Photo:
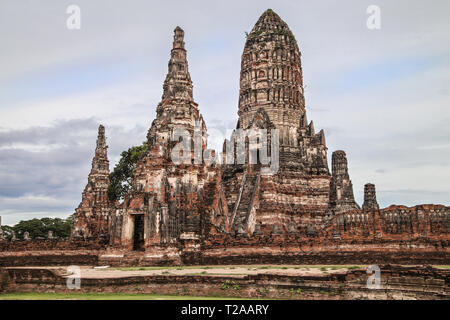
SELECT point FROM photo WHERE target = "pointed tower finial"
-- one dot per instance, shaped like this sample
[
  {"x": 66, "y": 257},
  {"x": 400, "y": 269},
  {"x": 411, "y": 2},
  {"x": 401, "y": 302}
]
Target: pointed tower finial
[
  {"x": 178, "y": 84},
  {"x": 178, "y": 38},
  {"x": 100, "y": 161},
  {"x": 101, "y": 149}
]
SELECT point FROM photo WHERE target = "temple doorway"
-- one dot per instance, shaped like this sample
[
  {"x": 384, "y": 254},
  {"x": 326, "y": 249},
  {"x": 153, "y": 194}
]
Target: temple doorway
[{"x": 138, "y": 237}]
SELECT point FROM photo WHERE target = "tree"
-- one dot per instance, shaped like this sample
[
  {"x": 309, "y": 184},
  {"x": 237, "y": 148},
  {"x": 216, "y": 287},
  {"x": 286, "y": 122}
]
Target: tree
[
  {"x": 122, "y": 175},
  {"x": 7, "y": 232},
  {"x": 40, "y": 227}
]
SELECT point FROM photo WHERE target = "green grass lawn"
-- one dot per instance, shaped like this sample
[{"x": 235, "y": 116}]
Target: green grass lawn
[{"x": 101, "y": 296}]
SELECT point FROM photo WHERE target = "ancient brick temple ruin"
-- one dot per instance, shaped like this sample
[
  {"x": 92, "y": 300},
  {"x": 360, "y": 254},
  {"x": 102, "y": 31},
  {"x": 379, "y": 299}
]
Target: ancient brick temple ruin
[
  {"x": 195, "y": 206},
  {"x": 91, "y": 218}
]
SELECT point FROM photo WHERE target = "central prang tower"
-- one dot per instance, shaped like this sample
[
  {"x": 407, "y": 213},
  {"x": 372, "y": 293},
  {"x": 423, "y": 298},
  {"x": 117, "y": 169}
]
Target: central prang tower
[
  {"x": 271, "y": 75},
  {"x": 271, "y": 88},
  {"x": 271, "y": 96}
]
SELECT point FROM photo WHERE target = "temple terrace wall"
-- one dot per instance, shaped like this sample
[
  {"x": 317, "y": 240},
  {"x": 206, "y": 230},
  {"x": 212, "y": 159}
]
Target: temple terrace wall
[{"x": 395, "y": 283}]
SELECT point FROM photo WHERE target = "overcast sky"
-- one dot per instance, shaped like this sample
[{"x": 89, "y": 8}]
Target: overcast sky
[{"x": 383, "y": 95}]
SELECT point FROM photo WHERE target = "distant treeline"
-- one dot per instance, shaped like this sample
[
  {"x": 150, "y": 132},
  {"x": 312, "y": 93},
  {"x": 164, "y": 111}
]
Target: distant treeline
[{"x": 39, "y": 228}]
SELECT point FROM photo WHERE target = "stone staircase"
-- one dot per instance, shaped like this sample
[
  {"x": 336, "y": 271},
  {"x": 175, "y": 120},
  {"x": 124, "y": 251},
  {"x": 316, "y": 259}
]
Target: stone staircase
[{"x": 245, "y": 200}]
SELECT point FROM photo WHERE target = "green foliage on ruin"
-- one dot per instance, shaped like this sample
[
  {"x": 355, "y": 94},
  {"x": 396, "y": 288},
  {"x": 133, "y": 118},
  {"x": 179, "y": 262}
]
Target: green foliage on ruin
[
  {"x": 40, "y": 227},
  {"x": 122, "y": 175},
  {"x": 230, "y": 284},
  {"x": 287, "y": 33},
  {"x": 254, "y": 34}
]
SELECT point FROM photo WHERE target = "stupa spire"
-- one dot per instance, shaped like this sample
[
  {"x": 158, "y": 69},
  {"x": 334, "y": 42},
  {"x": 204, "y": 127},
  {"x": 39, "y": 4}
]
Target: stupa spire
[
  {"x": 178, "y": 38},
  {"x": 271, "y": 74},
  {"x": 101, "y": 149},
  {"x": 178, "y": 83},
  {"x": 100, "y": 163}
]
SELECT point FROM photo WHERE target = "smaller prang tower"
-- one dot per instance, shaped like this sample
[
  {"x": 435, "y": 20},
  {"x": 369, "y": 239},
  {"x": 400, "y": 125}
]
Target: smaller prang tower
[
  {"x": 91, "y": 218},
  {"x": 341, "y": 187},
  {"x": 370, "y": 198}
]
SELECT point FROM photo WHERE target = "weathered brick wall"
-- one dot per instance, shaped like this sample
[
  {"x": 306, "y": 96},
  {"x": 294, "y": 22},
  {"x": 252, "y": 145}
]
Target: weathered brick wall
[
  {"x": 49, "y": 258},
  {"x": 257, "y": 251},
  {"x": 323, "y": 257},
  {"x": 396, "y": 223},
  {"x": 50, "y": 244}
]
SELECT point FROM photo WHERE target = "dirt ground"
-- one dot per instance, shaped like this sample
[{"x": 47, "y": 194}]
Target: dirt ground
[{"x": 102, "y": 272}]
